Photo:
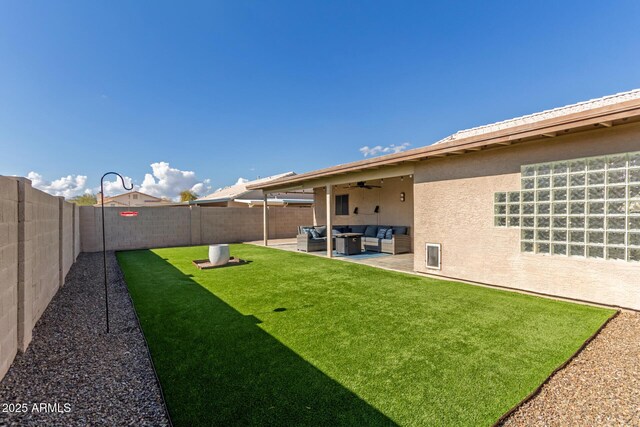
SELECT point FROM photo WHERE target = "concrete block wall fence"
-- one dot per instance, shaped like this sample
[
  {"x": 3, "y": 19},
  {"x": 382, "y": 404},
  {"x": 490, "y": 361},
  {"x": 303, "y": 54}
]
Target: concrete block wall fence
[
  {"x": 41, "y": 236},
  {"x": 165, "y": 226},
  {"x": 39, "y": 242},
  {"x": 8, "y": 272}
]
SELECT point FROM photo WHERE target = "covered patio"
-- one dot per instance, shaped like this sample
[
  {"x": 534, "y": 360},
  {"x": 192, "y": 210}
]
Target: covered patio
[{"x": 360, "y": 200}]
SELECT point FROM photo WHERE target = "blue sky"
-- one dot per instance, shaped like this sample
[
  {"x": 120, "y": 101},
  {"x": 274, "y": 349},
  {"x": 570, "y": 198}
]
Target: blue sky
[{"x": 245, "y": 89}]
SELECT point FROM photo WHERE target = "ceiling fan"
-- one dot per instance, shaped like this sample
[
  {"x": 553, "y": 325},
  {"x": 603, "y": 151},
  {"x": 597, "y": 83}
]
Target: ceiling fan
[{"x": 363, "y": 184}]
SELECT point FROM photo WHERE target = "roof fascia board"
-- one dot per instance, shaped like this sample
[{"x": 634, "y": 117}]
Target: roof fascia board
[
  {"x": 346, "y": 178},
  {"x": 205, "y": 201},
  {"x": 546, "y": 126},
  {"x": 580, "y": 119},
  {"x": 473, "y": 143}
]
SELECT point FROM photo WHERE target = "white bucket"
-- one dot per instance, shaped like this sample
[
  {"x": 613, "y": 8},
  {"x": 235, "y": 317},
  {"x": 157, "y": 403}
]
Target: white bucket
[{"x": 218, "y": 254}]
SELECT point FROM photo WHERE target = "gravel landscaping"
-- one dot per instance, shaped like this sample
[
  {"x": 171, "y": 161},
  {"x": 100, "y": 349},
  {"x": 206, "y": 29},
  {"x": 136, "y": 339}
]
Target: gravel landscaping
[
  {"x": 600, "y": 387},
  {"x": 94, "y": 378}
]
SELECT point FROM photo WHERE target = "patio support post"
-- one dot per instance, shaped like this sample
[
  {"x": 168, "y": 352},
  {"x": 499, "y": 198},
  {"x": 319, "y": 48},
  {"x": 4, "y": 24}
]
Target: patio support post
[
  {"x": 265, "y": 219},
  {"x": 329, "y": 222}
]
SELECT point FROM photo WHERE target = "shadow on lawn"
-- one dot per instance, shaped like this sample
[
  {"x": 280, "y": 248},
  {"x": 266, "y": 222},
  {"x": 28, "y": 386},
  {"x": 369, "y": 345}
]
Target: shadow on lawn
[{"x": 217, "y": 367}]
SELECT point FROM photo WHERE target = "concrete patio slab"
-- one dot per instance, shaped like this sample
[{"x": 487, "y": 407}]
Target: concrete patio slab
[{"x": 400, "y": 262}]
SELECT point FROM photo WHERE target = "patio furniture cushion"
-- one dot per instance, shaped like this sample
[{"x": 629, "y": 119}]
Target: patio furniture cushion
[
  {"x": 382, "y": 231},
  {"x": 358, "y": 229},
  {"x": 306, "y": 230},
  {"x": 389, "y": 241},
  {"x": 322, "y": 230},
  {"x": 315, "y": 234},
  {"x": 339, "y": 230},
  {"x": 399, "y": 230},
  {"x": 389, "y": 234},
  {"x": 371, "y": 231},
  {"x": 373, "y": 240}
]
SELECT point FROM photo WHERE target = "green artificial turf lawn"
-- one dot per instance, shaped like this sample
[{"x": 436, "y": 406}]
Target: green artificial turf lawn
[{"x": 292, "y": 339}]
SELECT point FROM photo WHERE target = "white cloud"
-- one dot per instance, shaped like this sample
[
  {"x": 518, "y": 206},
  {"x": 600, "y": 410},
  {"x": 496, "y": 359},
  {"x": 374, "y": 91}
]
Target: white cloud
[
  {"x": 202, "y": 188},
  {"x": 165, "y": 181},
  {"x": 113, "y": 185},
  {"x": 240, "y": 180},
  {"x": 379, "y": 149},
  {"x": 68, "y": 186}
]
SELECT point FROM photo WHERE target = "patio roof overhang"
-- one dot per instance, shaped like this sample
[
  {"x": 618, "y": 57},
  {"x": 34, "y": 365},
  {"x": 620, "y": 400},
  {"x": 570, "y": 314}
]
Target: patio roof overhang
[
  {"x": 276, "y": 202},
  {"x": 403, "y": 163},
  {"x": 208, "y": 201},
  {"x": 387, "y": 171}
]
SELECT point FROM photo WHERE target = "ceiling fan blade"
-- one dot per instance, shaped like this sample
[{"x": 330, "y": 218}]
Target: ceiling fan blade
[{"x": 363, "y": 184}]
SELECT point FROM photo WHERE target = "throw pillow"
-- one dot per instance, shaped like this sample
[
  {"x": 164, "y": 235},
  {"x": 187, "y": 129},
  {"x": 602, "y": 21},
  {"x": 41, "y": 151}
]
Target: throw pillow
[
  {"x": 370, "y": 231},
  {"x": 315, "y": 233},
  {"x": 389, "y": 234},
  {"x": 382, "y": 231},
  {"x": 322, "y": 230}
]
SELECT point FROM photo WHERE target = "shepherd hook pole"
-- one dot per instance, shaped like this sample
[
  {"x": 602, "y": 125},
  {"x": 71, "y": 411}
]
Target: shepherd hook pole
[{"x": 104, "y": 245}]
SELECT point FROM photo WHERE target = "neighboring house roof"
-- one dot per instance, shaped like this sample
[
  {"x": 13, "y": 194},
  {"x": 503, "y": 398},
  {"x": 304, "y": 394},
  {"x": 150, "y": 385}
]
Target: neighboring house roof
[
  {"x": 109, "y": 198},
  {"x": 238, "y": 190},
  {"x": 115, "y": 202},
  {"x": 144, "y": 200},
  {"x": 607, "y": 111}
]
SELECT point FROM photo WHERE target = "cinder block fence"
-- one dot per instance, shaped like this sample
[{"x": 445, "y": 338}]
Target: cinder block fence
[
  {"x": 156, "y": 227},
  {"x": 39, "y": 242},
  {"x": 41, "y": 236}
]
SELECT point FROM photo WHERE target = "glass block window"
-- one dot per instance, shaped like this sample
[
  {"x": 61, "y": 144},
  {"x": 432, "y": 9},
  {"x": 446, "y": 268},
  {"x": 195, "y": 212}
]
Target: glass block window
[
  {"x": 506, "y": 209},
  {"x": 583, "y": 207}
]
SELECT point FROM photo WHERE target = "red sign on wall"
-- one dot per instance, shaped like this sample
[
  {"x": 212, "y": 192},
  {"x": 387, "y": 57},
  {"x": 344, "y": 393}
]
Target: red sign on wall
[{"x": 129, "y": 213}]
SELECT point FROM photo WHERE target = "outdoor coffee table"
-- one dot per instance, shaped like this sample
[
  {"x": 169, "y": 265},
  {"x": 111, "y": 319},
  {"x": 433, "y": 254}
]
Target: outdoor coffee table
[{"x": 348, "y": 243}]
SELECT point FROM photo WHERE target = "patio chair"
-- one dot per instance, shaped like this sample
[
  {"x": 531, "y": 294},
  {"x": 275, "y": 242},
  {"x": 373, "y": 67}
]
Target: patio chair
[{"x": 306, "y": 241}]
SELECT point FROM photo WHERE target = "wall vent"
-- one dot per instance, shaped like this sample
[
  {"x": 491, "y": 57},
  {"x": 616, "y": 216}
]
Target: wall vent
[{"x": 433, "y": 255}]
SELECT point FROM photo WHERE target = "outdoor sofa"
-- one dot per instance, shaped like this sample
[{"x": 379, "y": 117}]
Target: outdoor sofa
[{"x": 375, "y": 238}]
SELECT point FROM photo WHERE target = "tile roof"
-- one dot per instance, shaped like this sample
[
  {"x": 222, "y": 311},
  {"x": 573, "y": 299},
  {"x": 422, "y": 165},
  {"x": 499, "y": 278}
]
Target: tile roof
[{"x": 543, "y": 115}]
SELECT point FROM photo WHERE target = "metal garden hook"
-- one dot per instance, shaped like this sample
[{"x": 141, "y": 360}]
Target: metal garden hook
[{"x": 104, "y": 245}]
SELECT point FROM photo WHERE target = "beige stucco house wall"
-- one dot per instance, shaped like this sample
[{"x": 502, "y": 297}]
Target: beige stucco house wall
[
  {"x": 454, "y": 207},
  {"x": 392, "y": 211}
]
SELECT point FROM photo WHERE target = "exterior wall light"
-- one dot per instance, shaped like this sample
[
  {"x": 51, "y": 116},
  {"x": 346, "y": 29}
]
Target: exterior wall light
[
  {"x": 355, "y": 211},
  {"x": 377, "y": 209},
  {"x": 402, "y": 196}
]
